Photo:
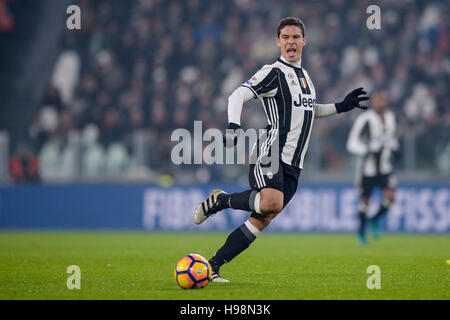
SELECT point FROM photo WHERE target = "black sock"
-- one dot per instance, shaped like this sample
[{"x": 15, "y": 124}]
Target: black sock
[
  {"x": 237, "y": 241},
  {"x": 239, "y": 200},
  {"x": 362, "y": 222},
  {"x": 383, "y": 209}
]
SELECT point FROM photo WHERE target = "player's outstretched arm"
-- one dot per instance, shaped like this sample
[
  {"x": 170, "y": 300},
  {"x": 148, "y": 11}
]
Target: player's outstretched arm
[
  {"x": 235, "y": 102},
  {"x": 324, "y": 110},
  {"x": 351, "y": 101}
]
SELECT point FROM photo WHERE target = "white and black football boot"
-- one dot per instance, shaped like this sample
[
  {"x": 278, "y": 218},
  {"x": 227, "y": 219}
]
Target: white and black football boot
[
  {"x": 215, "y": 277},
  {"x": 210, "y": 206}
]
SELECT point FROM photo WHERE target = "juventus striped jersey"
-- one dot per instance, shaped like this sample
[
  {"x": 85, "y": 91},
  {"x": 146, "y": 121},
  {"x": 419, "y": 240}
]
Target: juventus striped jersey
[
  {"x": 373, "y": 137},
  {"x": 289, "y": 101}
]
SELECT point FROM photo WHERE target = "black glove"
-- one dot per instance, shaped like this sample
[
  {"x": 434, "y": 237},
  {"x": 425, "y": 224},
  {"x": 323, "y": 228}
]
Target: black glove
[
  {"x": 351, "y": 101},
  {"x": 231, "y": 135}
]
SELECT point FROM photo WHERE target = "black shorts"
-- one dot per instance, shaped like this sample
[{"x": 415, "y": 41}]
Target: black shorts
[
  {"x": 382, "y": 181},
  {"x": 285, "y": 180}
]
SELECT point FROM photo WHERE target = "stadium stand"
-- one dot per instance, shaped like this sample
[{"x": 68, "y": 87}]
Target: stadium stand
[{"x": 137, "y": 70}]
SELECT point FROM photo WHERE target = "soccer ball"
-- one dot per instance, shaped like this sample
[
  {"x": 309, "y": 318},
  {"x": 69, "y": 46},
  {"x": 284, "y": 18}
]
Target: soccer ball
[{"x": 192, "y": 272}]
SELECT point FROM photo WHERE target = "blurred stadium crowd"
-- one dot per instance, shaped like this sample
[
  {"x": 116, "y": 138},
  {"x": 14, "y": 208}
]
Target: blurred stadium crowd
[{"x": 137, "y": 70}]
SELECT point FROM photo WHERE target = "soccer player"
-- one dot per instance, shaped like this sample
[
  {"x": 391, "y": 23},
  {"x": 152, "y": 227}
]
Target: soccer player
[
  {"x": 373, "y": 137},
  {"x": 288, "y": 97}
]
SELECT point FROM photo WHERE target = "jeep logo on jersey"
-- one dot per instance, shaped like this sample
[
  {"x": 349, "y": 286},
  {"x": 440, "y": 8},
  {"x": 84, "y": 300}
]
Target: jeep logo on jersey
[{"x": 306, "y": 103}]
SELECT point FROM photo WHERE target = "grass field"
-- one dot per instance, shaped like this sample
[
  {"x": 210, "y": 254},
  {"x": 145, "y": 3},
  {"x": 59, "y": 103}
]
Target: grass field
[{"x": 121, "y": 265}]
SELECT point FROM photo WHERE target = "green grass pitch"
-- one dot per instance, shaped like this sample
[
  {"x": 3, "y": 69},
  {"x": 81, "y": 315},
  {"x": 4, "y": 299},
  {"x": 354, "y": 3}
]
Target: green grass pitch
[{"x": 126, "y": 265}]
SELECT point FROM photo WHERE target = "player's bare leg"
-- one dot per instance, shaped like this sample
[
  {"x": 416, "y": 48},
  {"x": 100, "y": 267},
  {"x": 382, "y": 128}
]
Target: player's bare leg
[{"x": 271, "y": 201}]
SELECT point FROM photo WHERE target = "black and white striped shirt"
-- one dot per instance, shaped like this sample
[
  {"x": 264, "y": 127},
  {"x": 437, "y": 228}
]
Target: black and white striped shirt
[{"x": 289, "y": 101}]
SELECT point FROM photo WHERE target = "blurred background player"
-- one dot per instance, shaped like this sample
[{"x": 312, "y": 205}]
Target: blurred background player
[{"x": 373, "y": 137}]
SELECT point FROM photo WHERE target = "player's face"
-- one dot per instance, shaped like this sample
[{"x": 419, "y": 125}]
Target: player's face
[
  {"x": 380, "y": 101},
  {"x": 291, "y": 43}
]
